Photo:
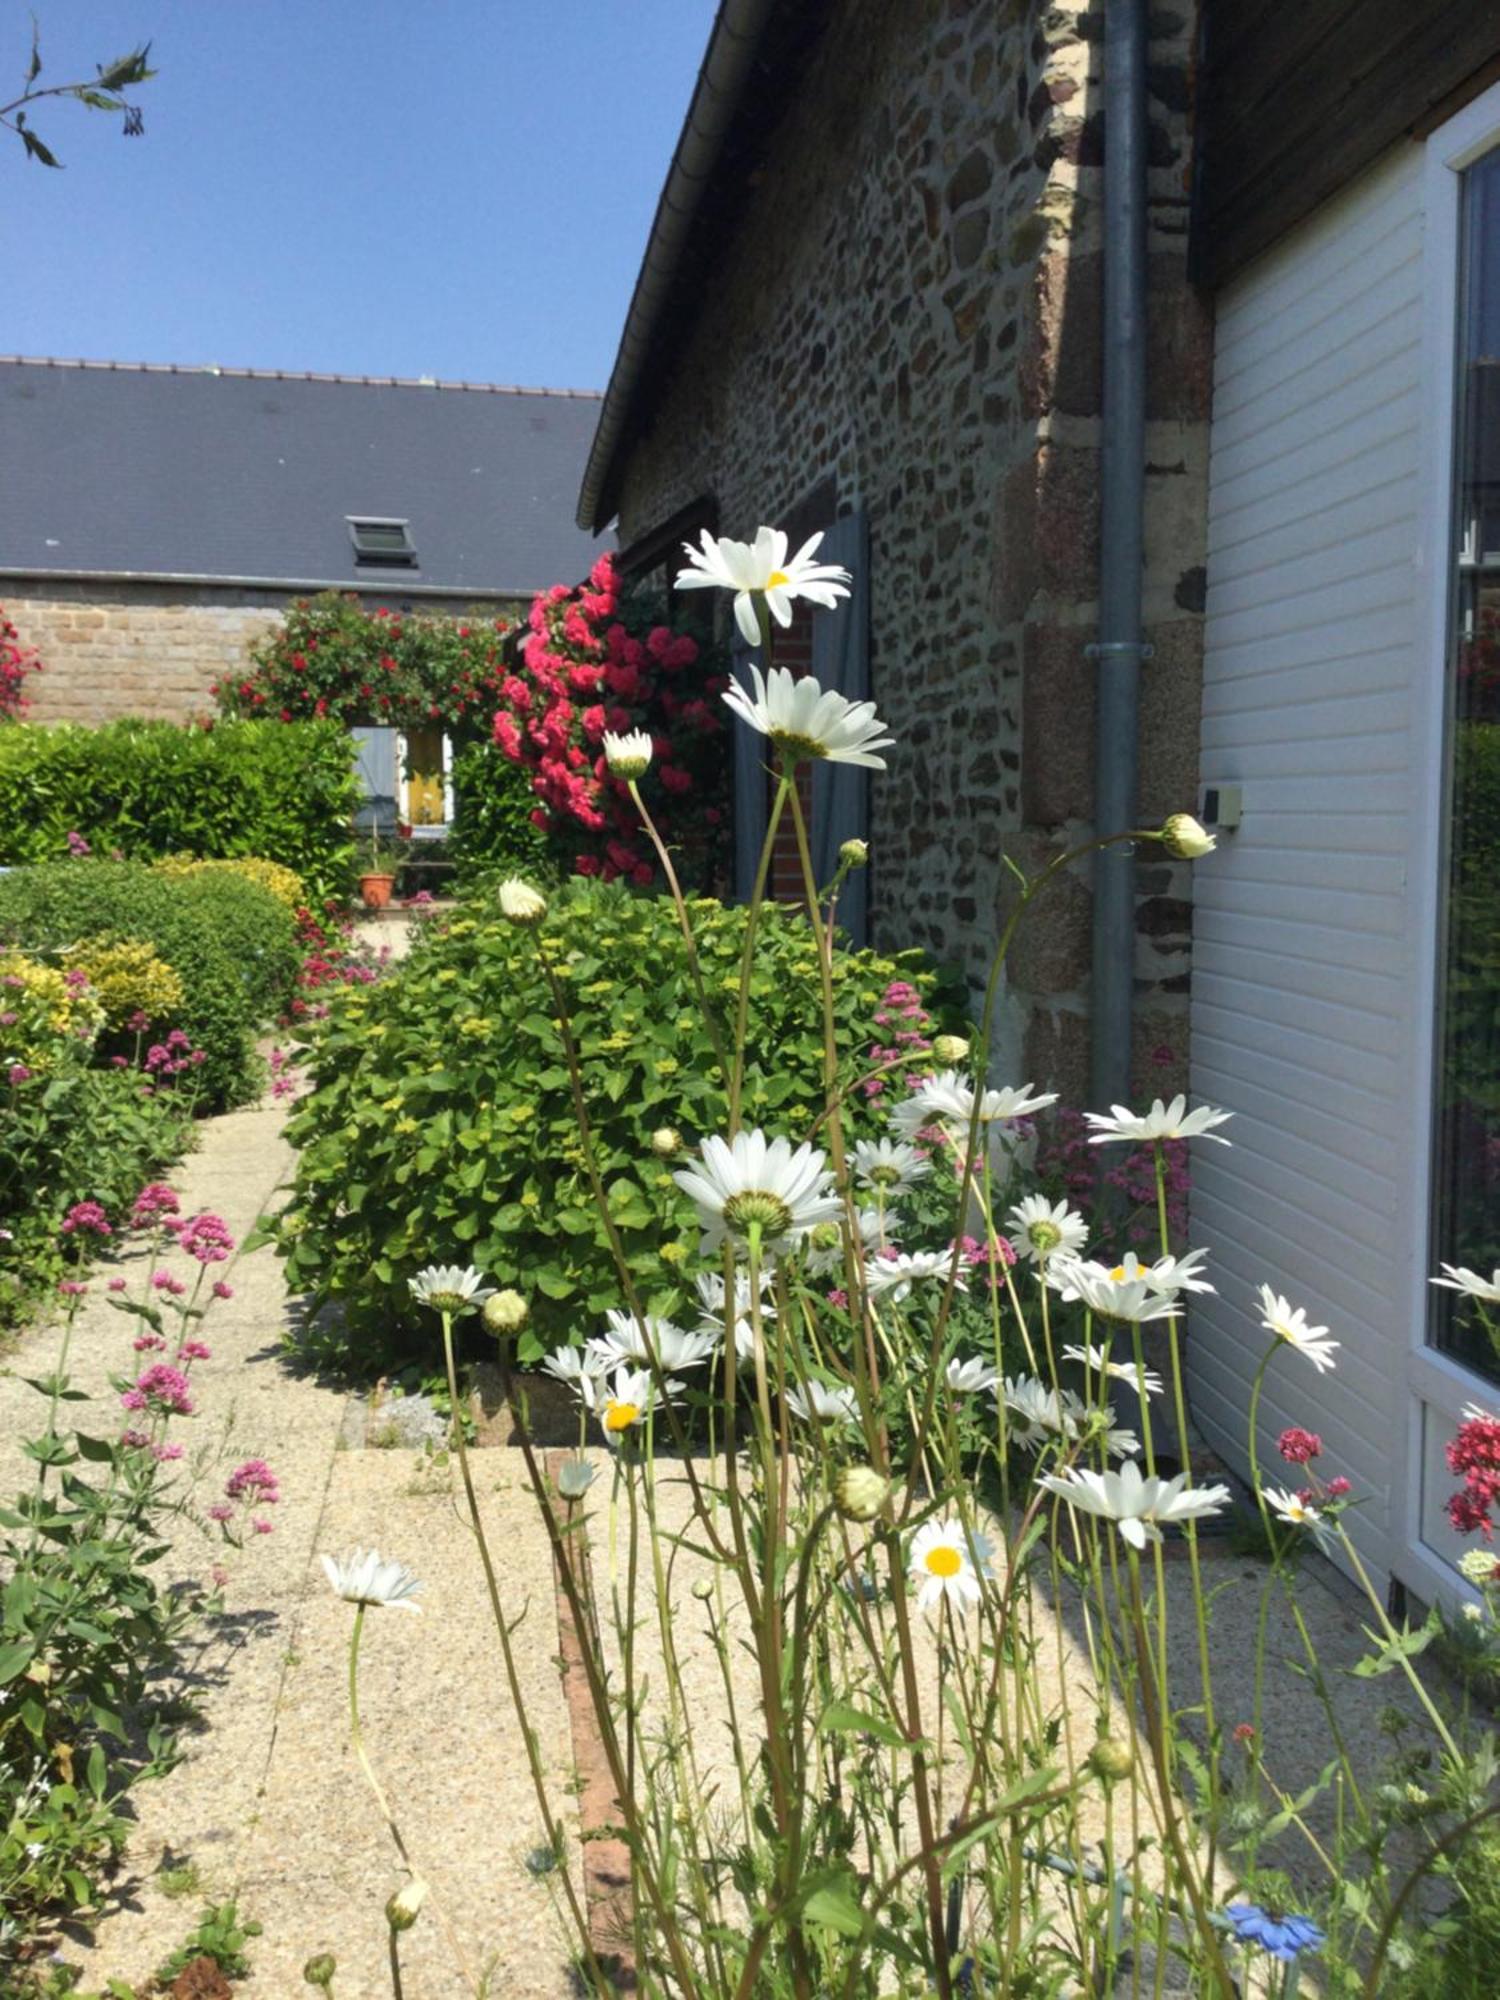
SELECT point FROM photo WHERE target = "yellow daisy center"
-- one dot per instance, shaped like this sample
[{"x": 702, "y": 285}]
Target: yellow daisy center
[
  {"x": 944, "y": 1561},
  {"x": 776, "y": 579},
  {"x": 620, "y": 1416},
  {"x": 1117, "y": 1275}
]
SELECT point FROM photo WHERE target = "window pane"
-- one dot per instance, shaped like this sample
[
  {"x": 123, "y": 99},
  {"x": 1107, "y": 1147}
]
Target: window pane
[{"x": 1467, "y": 1160}]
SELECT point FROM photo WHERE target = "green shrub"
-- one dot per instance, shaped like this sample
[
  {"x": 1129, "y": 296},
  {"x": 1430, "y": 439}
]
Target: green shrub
[
  {"x": 230, "y": 942},
  {"x": 71, "y": 1134},
  {"x": 441, "y": 1127},
  {"x": 492, "y": 807},
  {"x": 285, "y": 793}
]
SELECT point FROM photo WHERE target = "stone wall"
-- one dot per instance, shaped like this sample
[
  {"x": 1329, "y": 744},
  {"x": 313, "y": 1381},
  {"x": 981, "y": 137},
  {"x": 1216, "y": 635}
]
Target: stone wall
[
  {"x": 153, "y": 650},
  {"x": 909, "y": 314}
]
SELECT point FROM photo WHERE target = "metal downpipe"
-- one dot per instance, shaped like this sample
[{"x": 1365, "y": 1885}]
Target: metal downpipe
[{"x": 1118, "y": 652}]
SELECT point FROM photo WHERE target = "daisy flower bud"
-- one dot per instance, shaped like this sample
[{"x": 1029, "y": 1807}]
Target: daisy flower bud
[
  {"x": 402, "y": 1911},
  {"x": 950, "y": 1050},
  {"x": 520, "y": 903},
  {"x": 854, "y": 853},
  {"x": 1111, "y": 1759},
  {"x": 628, "y": 756},
  {"x": 666, "y": 1141},
  {"x": 860, "y": 1492},
  {"x": 319, "y": 1970},
  {"x": 506, "y": 1312},
  {"x": 1183, "y": 836}
]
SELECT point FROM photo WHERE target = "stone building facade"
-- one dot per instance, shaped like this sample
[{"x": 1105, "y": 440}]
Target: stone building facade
[
  {"x": 111, "y": 649},
  {"x": 905, "y": 317}
]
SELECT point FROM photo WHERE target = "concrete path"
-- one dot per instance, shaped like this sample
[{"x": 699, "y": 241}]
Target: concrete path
[{"x": 269, "y": 1804}]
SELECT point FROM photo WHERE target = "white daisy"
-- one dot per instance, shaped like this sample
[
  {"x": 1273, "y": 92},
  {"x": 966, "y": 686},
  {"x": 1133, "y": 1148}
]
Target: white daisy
[
  {"x": 972, "y": 1377},
  {"x": 887, "y": 1164},
  {"x": 1040, "y": 1227},
  {"x": 761, "y": 569},
  {"x": 672, "y": 1347},
  {"x": 1296, "y": 1512},
  {"x": 1039, "y": 1414},
  {"x": 1139, "y": 1507},
  {"x": 821, "y": 1405},
  {"x": 1096, "y": 1360},
  {"x": 1179, "y": 1274},
  {"x": 1162, "y": 1121},
  {"x": 896, "y": 1275},
  {"x": 1129, "y": 1295},
  {"x": 945, "y": 1562},
  {"x": 1278, "y": 1317},
  {"x": 571, "y": 1365},
  {"x": 364, "y": 1577},
  {"x": 628, "y": 756},
  {"x": 805, "y": 719},
  {"x": 622, "y": 1402},
  {"x": 447, "y": 1288},
  {"x": 749, "y": 1182},
  {"x": 947, "y": 1099},
  {"x": 1472, "y": 1283},
  {"x": 825, "y": 1247}
]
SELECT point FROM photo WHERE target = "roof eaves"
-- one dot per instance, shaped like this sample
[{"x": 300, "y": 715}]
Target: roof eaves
[{"x": 723, "y": 78}]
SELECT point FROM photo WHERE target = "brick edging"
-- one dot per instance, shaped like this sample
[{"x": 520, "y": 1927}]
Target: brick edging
[{"x": 606, "y": 1858}]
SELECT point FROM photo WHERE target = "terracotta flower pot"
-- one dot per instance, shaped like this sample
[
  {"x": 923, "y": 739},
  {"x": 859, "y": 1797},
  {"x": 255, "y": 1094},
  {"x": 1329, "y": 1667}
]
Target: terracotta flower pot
[{"x": 376, "y": 890}]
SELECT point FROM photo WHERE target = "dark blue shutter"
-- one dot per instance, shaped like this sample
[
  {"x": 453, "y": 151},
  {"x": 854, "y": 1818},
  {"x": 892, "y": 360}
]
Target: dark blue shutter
[
  {"x": 375, "y": 752},
  {"x": 751, "y": 753},
  {"x": 841, "y": 659}
]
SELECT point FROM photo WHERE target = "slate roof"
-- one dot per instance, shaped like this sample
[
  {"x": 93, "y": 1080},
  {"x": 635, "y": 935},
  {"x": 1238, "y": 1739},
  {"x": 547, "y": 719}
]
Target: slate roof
[{"x": 249, "y": 475}]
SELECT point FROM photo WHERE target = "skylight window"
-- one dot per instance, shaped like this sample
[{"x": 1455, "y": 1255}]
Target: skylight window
[{"x": 382, "y": 544}]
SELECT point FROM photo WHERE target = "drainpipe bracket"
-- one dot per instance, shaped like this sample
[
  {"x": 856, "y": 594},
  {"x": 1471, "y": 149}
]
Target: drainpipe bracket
[{"x": 1120, "y": 649}]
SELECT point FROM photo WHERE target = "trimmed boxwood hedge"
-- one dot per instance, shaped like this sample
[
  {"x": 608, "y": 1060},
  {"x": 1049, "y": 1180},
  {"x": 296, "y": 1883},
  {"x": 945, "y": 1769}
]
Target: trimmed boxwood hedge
[
  {"x": 231, "y": 942},
  {"x": 284, "y": 791}
]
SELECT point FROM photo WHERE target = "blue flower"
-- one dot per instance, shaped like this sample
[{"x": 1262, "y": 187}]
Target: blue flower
[{"x": 1283, "y": 1937}]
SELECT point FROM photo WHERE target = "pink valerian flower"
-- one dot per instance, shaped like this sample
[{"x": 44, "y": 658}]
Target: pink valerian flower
[
  {"x": 194, "y": 1350},
  {"x": 838, "y": 1297},
  {"x": 262, "y": 1527},
  {"x": 163, "y": 1281},
  {"x": 255, "y": 1482},
  {"x": 78, "y": 847},
  {"x": 71, "y": 1289},
  {"x": 1336, "y": 1487},
  {"x": 205, "y": 1237},
  {"x": 220, "y": 1511},
  {"x": 139, "y": 1022},
  {"x": 148, "y": 1343},
  {"x": 86, "y": 1218},
  {"x": 173, "y": 1056},
  {"x": 1474, "y": 1452},
  {"x": 134, "y": 1440},
  {"x": 221, "y": 1290},
  {"x": 154, "y": 1202},
  {"x": 18, "y": 1074},
  {"x": 117, "y": 1284},
  {"x": 1299, "y": 1447},
  {"x": 165, "y": 1453},
  {"x": 162, "y": 1388}
]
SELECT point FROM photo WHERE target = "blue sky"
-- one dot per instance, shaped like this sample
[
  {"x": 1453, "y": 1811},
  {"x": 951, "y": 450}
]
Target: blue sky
[{"x": 459, "y": 188}]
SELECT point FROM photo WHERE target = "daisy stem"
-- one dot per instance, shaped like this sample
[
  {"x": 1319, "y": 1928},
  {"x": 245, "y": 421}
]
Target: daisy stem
[
  {"x": 507, "y": 1651},
  {"x": 1190, "y": 1527},
  {"x": 695, "y": 968},
  {"x": 736, "y": 1077}
]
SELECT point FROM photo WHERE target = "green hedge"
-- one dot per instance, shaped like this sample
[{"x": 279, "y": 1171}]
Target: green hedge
[
  {"x": 284, "y": 791},
  {"x": 492, "y": 807},
  {"x": 230, "y": 942},
  {"x": 441, "y": 1129}
]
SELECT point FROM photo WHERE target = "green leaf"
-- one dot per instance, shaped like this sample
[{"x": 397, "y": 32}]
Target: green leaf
[
  {"x": 834, "y": 1902},
  {"x": 36, "y": 149},
  {"x": 1403, "y": 1645},
  {"x": 15, "y": 1658},
  {"x": 840, "y": 1717}
]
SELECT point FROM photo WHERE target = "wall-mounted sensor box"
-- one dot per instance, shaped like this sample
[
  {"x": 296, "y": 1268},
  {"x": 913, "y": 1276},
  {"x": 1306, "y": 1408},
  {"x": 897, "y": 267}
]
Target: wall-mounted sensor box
[{"x": 1221, "y": 808}]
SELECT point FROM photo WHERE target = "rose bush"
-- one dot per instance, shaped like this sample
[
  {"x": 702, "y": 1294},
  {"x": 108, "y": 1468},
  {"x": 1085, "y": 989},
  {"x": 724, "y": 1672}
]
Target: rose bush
[{"x": 602, "y": 658}]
